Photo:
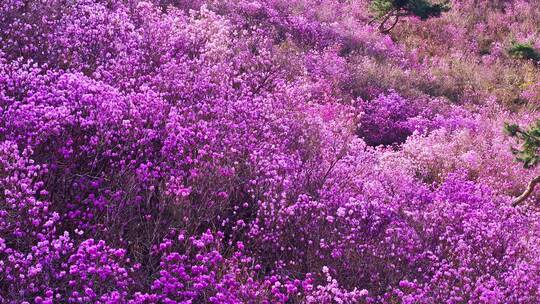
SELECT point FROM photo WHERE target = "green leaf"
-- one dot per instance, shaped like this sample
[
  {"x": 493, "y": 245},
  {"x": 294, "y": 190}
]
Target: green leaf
[{"x": 529, "y": 152}]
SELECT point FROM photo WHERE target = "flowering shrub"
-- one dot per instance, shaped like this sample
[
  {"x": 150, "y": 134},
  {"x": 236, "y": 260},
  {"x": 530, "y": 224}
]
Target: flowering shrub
[
  {"x": 385, "y": 120},
  {"x": 257, "y": 152}
]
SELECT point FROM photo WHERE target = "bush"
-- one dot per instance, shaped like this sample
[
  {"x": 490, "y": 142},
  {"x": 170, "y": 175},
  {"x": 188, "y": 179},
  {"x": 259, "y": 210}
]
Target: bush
[{"x": 524, "y": 51}]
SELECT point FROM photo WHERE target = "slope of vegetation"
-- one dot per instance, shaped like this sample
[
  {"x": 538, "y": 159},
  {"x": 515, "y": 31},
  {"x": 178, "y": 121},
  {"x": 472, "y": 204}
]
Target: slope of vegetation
[{"x": 271, "y": 151}]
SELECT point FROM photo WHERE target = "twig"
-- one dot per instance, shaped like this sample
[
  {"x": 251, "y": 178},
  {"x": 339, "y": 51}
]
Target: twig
[{"x": 530, "y": 187}]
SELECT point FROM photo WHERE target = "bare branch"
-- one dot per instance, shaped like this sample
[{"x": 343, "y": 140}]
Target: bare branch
[
  {"x": 374, "y": 19},
  {"x": 383, "y": 23},
  {"x": 530, "y": 187},
  {"x": 393, "y": 13}
]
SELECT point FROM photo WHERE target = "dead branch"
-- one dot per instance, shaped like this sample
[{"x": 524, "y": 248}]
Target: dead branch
[{"x": 530, "y": 187}]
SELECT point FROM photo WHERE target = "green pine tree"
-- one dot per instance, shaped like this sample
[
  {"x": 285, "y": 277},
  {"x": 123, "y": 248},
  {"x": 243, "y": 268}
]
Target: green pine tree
[
  {"x": 528, "y": 153},
  {"x": 386, "y": 10}
]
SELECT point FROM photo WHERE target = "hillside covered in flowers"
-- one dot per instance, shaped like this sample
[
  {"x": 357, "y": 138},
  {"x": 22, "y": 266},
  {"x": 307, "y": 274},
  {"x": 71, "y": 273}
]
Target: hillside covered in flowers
[{"x": 269, "y": 151}]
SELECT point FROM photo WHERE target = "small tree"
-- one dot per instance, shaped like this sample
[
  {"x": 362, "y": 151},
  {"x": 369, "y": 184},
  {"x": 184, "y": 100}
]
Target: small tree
[
  {"x": 524, "y": 51},
  {"x": 528, "y": 153},
  {"x": 389, "y": 11}
]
